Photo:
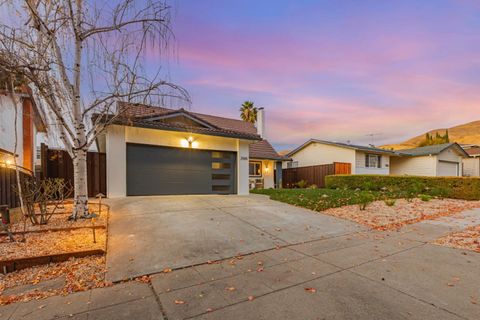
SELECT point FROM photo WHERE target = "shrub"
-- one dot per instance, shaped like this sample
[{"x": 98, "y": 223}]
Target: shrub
[
  {"x": 425, "y": 197},
  {"x": 364, "y": 199},
  {"x": 313, "y": 186},
  {"x": 390, "y": 202},
  {"x": 302, "y": 184},
  {"x": 467, "y": 188}
]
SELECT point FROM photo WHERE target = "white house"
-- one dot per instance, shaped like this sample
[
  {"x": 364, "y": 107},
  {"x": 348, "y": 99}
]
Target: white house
[
  {"x": 471, "y": 165},
  {"x": 154, "y": 151},
  {"x": 28, "y": 124},
  {"x": 363, "y": 159},
  {"x": 435, "y": 160}
]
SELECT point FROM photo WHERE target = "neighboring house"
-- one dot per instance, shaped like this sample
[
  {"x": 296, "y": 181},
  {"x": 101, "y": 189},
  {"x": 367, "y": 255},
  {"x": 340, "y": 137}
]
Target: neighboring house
[
  {"x": 29, "y": 123},
  {"x": 363, "y": 159},
  {"x": 471, "y": 165},
  {"x": 435, "y": 160},
  {"x": 154, "y": 151}
]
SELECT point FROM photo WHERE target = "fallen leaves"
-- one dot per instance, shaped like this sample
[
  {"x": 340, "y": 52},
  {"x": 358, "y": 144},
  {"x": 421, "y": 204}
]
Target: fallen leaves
[
  {"x": 311, "y": 290},
  {"x": 48, "y": 243},
  {"x": 167, "y": 270},
  {"x": 179, "y": 302},
  {"x": 379, "y": 216},
  {"x": 467, "y": 239},
  {"x": 144, "y": 279},
  {"x": 251, "y": 298},
  {"x": 79, "y": 275},
  {"x": 230, "y": 289}
]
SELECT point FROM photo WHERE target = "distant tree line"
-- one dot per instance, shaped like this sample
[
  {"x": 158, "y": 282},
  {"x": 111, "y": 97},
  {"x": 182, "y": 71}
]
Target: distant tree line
[{"x": 431, "y": 139}]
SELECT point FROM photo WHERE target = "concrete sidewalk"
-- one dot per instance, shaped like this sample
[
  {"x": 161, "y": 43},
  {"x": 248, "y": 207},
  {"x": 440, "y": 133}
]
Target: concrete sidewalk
[{"x": 356, "y": 276}]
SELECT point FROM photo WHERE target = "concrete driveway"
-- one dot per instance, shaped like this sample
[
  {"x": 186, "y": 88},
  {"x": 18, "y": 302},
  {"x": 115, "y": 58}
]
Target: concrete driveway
[{"x": 149, "y": 234}]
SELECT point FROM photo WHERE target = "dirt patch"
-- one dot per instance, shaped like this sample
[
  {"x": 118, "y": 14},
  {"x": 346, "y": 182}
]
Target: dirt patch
[
  {"x": 378, "y": 215},
  {"x": 53, "y": 279},
  {"x": 468, "y": 239}
]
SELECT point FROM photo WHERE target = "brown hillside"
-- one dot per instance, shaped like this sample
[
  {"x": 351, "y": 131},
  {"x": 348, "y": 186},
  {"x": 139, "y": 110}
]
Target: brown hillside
[{"x": 464, "y": 133}]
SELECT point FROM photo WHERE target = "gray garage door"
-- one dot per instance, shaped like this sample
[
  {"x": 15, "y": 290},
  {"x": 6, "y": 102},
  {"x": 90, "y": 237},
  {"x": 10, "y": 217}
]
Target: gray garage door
[
  {"x": 448, "y": 169},
  {"x": 153, "y": 170}
]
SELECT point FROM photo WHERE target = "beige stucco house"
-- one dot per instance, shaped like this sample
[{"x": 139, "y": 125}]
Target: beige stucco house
[
  {"x": 363, "y": 159},
  {"x": 436, "y": 160},
  {"x": 159, "y": 151}
]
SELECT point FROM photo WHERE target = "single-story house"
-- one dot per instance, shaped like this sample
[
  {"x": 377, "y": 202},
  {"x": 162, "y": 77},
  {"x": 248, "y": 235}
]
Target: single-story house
[
  {"x": 265, "y": 166},
  {"x": 156, "y": 151},
  {"x": 471, "y": 165},
  {"x": 28, "y": 123},
  {"x": 435, "y": 160},
  {"x": 363, "y": 159}
]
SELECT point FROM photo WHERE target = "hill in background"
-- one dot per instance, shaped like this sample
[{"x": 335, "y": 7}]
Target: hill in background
[{"x": 468, "y": 133}]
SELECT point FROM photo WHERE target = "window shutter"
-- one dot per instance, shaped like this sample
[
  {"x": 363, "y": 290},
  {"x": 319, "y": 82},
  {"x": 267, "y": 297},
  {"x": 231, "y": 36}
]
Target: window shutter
[
  {"x": 366, "y": 160},
  {"x": 379, "y": 161}
]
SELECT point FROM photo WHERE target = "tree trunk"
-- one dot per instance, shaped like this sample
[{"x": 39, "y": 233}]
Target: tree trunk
[{"x": 80, "y": 184}]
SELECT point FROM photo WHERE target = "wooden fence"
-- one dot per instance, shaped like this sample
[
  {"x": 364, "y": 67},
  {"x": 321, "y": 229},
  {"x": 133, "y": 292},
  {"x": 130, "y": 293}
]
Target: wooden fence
[
  {"x": 8, "y": 180},
  {"x": 313, "y": 174},
  {"x": 59, "y": 164}
]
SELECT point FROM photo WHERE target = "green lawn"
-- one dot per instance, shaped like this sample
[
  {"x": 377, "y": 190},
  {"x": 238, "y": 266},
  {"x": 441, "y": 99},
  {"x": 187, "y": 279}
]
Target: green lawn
[{"x": 321, "y": 199}]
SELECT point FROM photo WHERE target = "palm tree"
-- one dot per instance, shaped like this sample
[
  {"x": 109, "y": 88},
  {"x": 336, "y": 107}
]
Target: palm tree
[{"x": 248, "y": 112}]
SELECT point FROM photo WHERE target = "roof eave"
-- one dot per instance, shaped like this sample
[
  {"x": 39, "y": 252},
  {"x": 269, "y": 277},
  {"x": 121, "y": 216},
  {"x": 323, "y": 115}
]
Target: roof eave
[{"x": 192, "y": 130}]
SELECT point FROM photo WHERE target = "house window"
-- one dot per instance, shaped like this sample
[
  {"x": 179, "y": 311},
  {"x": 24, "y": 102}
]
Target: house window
[
  {"x": 255, "y": 169},
  {"x": 292, "y": 164},
  {"x": 373, "y": 161}
]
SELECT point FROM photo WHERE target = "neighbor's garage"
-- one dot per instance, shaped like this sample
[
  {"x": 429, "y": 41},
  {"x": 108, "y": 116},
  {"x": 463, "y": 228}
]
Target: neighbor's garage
[
  {"x": 155, "y": 170},
  {"x": 448, "y": 168}
]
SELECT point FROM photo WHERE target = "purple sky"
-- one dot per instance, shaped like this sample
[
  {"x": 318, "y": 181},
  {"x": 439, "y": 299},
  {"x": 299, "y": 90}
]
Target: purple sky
[{"x": 335, "y": 70}]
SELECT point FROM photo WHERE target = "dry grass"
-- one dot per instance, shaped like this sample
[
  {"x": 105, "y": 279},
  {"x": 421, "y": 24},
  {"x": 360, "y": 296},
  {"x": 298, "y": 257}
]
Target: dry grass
[{"x": 464, "y": 133}]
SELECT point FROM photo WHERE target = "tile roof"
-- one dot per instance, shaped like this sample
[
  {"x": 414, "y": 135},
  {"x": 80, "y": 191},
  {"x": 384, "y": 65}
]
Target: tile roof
[
  {"x": 342, "y": 145},
  {"x": 264, "y": 150},
  {"x": 430, "y": 150},
  {"x": 140, "y": 115},
  {"x": 475, "y": 151}
]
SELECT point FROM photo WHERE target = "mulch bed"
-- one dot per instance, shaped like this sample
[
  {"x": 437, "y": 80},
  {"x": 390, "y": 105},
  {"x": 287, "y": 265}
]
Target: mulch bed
[
  {"x": 468, "y": 239},
  {"x": 380, "y": 216},
  {"x": 70, "y": 276},
  {"x": 60, "y": 220},
  {"x": 56, "y": 241}
]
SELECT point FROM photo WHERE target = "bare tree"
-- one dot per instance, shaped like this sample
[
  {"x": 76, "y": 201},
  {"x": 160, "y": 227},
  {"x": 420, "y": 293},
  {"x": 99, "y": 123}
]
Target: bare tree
[{"x": 81, "y": 58}]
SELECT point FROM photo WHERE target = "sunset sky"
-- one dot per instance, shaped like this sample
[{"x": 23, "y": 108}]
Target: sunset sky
[{"x": 335, "y": 70}]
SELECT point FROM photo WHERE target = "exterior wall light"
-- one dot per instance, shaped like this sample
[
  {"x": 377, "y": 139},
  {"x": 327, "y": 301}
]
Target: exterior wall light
[
  {"x": 189, "y": 142},
  {"x": 266, "y": 167}
]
